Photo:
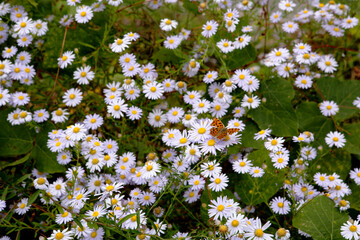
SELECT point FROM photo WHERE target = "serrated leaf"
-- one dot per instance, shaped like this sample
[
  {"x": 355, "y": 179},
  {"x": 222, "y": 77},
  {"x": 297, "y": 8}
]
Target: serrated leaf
[
  {"x": 277, "y": 112},
  {"x": 342, "y": 92},
  {"x": 352, "y": 134},
  {"x": 310, "y": 119},
  {"x": 320, "y": 219}
]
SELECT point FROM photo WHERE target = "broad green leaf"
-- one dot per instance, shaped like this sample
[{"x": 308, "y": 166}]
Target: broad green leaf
[
  {"x": 168, "y": 56},
  {"x": 310, "y": 119},
  {"x": 247, "y": 139},
  {"x": 337, "y": 160},
  {"x": 277, "y": 112},
  {"x": 352, "y": 134},
  {"x": 14, "y": 140},
  {"x": 254, "y": 191},
  {"x": 240, "y": 57},
  {"x": 45, "y": 159},
  {"x": 342, "y": 92},
  {"x": 14, "y": 163},
  {"x": 190, "y": 6},
  {"x": 320, "y": 219},
  {"x": 353, "y": 198}
]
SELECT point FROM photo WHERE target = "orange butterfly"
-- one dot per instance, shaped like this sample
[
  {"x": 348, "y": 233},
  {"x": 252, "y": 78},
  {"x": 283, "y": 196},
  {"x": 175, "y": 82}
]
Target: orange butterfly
[{"x": 219, "y": 130}]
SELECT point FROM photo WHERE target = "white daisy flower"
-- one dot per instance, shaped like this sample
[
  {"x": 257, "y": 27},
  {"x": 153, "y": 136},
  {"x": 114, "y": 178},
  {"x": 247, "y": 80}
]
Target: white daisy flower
[
  {"x": 72, "y": 97},
  {"x": 167, "y": 24},
  {"x": 209, "y": 29},
  {"x": 83, "y": 14},
  {"x": 336, "y": 139},
  {"x": 66, "y": 59}
]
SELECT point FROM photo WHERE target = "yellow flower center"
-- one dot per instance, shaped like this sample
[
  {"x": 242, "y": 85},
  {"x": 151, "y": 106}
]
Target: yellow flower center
[
  {"x": 220, "y": 208},
  {"x": 259, "y": 232},
  {"x": 211, "y": 142},
  {"x": 59, "y": 236}
]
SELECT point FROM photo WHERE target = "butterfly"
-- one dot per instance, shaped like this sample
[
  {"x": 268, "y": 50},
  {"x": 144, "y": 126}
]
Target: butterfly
[{"x": 219, "y": 130}]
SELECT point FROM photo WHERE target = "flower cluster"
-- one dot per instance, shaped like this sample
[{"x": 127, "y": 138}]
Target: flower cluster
[{"x": 175, "y": 105}]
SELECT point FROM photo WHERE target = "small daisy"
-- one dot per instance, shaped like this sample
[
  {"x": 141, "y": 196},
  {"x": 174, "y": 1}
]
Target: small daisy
[
  {"x": 66, "y": 59},
  {"x": 117, "y": 108},
  {"x": 280, "y": 205},
  {"x": 153, "y": 90},
  {"x": 172, "y": 42},
  {"x": 256, "y": 172},
  {"x": 336, "y": 139},
  {"x": 60, "y": 115},
  {"x": 350, "y": 230},
  {"x": 83, "y": 75},
  {"x": 209, "y": 29},
  {"x": 93, "y": 121},
  {"x": 65, "y": 234},
  {"x": 329, "y": 108},
  {"x": 83, "y": 14},
  {"x": 250, "y": 102},
  {"x": 218, "y": 182},
  {"x": 120, "y": 45},
  {"x": 167, "y": 24},
  {"x": 327, "y": 64},
  {"x": 72, "y": 97}
]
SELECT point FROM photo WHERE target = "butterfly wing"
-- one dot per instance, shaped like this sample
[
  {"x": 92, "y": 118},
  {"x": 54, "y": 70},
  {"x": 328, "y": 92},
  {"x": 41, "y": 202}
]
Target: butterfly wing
[
  {"x": 214, "y": 131},
  {"x": 217, "y": 123},
  {"x": 232, "y": 130},
  {"x": 222, "y": 133}
]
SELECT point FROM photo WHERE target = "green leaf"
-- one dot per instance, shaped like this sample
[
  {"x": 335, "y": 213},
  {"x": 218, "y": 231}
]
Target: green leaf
[
  {"x": 310, "y": 119},
  {"x": 248, "y": 136},
  {"x": 14, "y": 140},
  {"x": 14, "y": 163},
  {"x": 190, "y": 6},
  {"x": 240, "y": 57},
  {"x": 320, "y": 219},
  {"x": 3, "y": 196},
  {"x": 168, "y": 56},
  {"x": 45, "y": 159},
  {"x": 33, "y": 2},
  {"x": 277, "y": 112},
  {"x": 353, "y": 198},
  {"x": 33, "y": 197},
  {"x": 342, "y": 92},
  {"x": 337, "y": 160},
  {"x": 253, "y": 191},
  {"x": 352, "y": 134},
  {"x": 234, "y": 149},
  {"x": 20, "y": 180},
  {"x": 77, "y": 221},
  {"x": 122, "y": 220}
]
